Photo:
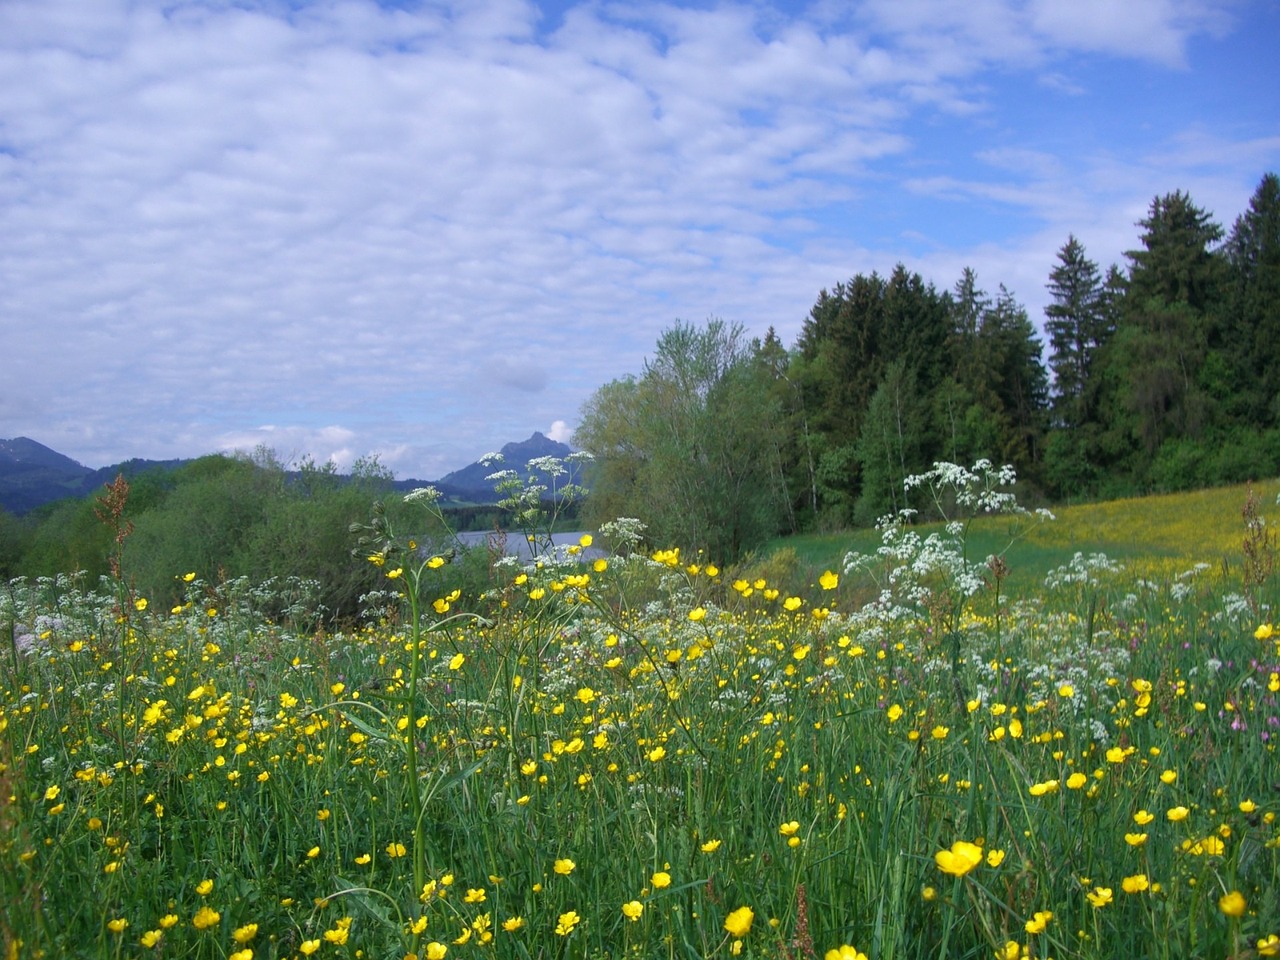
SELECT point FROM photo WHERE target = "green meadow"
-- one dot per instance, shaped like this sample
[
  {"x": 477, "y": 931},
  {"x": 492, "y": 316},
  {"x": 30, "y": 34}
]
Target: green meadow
[
  {"x": 880, "y": 745},
  {"x": 1166, "y": 533}
]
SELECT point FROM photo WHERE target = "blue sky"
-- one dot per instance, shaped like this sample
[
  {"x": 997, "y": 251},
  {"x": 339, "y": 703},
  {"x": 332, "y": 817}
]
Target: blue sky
[{"x": 421, "y": 230}]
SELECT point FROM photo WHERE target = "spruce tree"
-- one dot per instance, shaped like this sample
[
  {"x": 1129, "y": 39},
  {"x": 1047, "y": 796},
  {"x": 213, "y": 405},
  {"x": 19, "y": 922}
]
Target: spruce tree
[
  {"x": 1076, "y": 330},
  {"x": 1253, "y": 329}
]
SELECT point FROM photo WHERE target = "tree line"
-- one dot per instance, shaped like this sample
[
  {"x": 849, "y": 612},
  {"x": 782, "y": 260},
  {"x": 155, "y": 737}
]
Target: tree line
[
  {"x": 1159, "y": 374},
  {"x": 219, "y": 517},
  {"x": 248, "y": 516}
]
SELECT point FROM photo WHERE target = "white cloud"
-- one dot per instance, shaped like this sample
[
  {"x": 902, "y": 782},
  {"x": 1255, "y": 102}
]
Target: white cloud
[
  {"x": 291, "y": 445},
  {"x": 1158, "y": 30},
  {"x": 436, "y": 227},
  {"x": 560, "y": 431}
]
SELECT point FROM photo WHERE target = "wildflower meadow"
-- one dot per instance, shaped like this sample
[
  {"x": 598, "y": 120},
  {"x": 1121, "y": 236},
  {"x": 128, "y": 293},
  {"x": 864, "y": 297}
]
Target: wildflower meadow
[{"x": 620, "y": 751}]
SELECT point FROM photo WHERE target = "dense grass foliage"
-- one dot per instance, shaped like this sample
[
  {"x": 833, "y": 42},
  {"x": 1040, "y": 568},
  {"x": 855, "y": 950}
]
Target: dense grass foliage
[{"x": 633, "y": 754}]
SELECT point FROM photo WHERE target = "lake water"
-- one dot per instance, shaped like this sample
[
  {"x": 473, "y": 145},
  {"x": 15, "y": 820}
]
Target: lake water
[{"x": 517, "y": 546}]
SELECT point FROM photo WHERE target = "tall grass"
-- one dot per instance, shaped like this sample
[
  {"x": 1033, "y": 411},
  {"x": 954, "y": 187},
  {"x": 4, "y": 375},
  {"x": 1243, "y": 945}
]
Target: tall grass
[{"x": 643, "y": 756}]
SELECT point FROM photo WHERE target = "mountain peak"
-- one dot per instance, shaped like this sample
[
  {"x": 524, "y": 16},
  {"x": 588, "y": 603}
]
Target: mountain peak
[
  {"x": 23, "y": 453},
  {"x": 473, "y": 480},
  {"x": 521, "y": 452}
]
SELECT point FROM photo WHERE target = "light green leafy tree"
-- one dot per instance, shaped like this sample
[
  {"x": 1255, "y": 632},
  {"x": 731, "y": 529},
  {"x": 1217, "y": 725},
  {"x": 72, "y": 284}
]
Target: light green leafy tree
[{"x": 693, "y": 446}]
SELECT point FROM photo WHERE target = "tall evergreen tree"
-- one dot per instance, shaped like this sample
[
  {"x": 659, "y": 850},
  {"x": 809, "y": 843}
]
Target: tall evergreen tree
[
  {"x": 1177, "y": 263},
  {"x": 967, "y": 306},
  {"x": 851, "y": 338},
  {"x": 1166, "y": 329},
  {"x": 1018, "y": 380},
  {"x": 1253, "y": 329},
  {"x": 1076, "y": 330},
  {"x": 992, "y": 403},
  {"x": 916, "y": 327}
]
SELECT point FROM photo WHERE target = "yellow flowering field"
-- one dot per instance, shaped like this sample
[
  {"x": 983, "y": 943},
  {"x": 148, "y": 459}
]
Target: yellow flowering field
[{"x": 622, "y": 753}]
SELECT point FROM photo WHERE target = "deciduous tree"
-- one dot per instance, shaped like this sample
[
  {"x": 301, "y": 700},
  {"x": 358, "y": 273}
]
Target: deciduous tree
[{"x": 691, "y": 446}]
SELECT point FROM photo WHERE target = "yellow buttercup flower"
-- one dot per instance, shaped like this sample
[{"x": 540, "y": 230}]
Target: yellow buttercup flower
[
  {"x": 632, "y": 910},
  {"x": 1135, "y": 884},
  {"x": 738, "y": 922},
  {"x": 1099, "y": 897},
  {"x": 1039, "y": 921},
  {"x": 960, "y": 859},
  {"x": 205, "y": 918},
  {"x": 564, "y": 867},
  {"x": 566, "y": 922},
  {"x": 660, "y": 880},
  {"x": 1232, "y": 904}
]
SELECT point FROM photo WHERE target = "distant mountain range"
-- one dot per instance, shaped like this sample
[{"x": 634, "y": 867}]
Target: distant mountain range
[
  {"x": 471, "y": 483},
  {"x": 32, "y": 475}
]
